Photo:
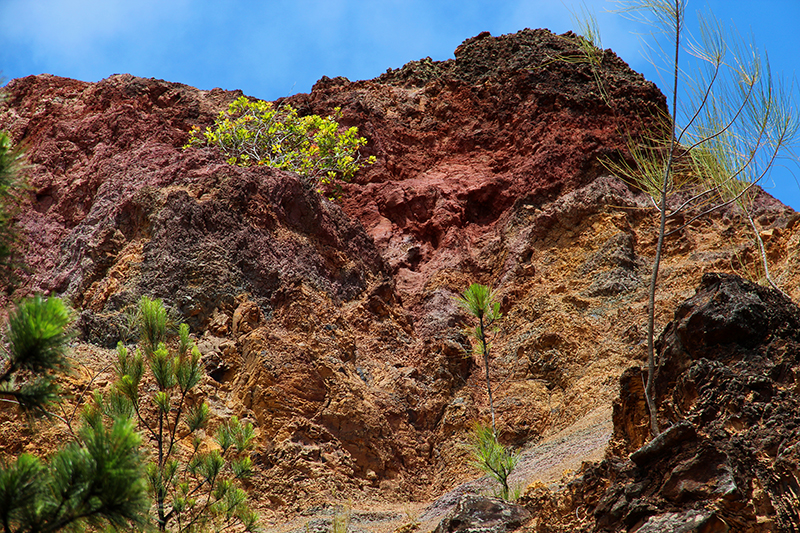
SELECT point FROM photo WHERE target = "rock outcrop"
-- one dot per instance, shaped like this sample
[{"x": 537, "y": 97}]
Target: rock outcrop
[
  {"x": 727, "y": 395},
  {"x": 480, "y": 513},
  {"x": 332, "y": 325},
  {"x": 462, "y": 144}
]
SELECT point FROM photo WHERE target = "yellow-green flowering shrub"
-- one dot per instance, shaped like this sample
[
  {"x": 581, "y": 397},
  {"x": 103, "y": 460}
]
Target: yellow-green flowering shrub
[{"x": 258, "y": 133}]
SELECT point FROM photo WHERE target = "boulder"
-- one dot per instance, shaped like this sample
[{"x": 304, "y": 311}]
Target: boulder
[
  {"x": 482, "y": 514},
  {"x": 726, "y": 392}
]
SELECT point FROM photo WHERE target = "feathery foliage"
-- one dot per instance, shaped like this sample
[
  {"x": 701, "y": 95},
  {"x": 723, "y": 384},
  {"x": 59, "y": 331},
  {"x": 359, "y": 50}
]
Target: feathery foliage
[
  {"x": 720, "y": 141},
  {"x": 196, "y": 488},
  {"x": 37, "y": 337},
  {"x": 96, "y": 480},
  {"x": 258, "y": 133},
  {"x": 493, "y": 458}
]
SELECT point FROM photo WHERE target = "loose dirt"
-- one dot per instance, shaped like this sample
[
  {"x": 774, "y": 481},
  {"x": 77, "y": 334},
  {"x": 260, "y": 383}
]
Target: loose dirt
[{"x": 553, "y": 462}]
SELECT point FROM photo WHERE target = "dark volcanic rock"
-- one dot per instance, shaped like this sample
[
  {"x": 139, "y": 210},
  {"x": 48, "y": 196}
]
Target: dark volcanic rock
[
  {"x": 728, "y": 397},
  {"x": 664, "y": 443},
  {"x": 691, "y": 521}
]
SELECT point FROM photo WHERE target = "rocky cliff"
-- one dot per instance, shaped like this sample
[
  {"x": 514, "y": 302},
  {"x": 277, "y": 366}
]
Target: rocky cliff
[{"x": 332, "y": 325}]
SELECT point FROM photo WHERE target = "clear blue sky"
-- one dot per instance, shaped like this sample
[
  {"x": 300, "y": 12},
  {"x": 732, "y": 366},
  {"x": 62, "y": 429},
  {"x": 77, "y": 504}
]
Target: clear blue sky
[{"x": 274, "y": 48}]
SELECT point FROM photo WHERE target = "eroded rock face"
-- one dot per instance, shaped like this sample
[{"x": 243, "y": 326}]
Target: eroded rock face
[
  {"x": 135, "y": 214},
  {"x": 332, "y": 326},
  {"x": 335, "y": 327},
  {"x": 460, "y": 143},
  {"x": 727, "y": 397}
]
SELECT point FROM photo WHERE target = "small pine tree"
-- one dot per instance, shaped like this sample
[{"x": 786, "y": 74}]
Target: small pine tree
[
  {"x": 191, "y": 489},
  {"x": 96, "y": 480},
  {"x": 489, "y": 455},
  {"x": 479, "y": 301}
]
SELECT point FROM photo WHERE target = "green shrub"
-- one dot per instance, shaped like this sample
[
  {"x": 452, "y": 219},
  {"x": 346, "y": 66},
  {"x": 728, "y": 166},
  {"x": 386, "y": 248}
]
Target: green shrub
[
  {"x": 258, "y": 133},
  {"x": 493, "y": 458}
]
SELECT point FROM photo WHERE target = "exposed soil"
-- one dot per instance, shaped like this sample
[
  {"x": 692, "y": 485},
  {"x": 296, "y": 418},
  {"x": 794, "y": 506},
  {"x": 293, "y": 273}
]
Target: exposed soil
[{"x": 552, "y": 462}]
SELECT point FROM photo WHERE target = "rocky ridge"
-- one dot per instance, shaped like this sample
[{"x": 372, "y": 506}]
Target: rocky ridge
[
  {"x": 727, "y": 458},
  {"x": 332, "y": 326}
]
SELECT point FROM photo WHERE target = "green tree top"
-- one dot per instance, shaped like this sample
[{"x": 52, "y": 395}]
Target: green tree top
[
  {"x": 97, "y": 480},
  {"x": 37, "y": 336}
]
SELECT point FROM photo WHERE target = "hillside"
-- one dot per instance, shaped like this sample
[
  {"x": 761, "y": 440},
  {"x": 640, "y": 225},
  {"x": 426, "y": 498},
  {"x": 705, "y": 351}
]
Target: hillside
[{"x": 332, "y": 326}]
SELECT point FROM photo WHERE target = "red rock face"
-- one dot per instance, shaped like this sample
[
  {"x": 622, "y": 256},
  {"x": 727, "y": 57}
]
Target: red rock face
[
  {"x": 332, "y": 325},
  {"x": 92, "y": 147},
  {"x": 516, "y": 119},
  {"x": 121, "y": 210}
]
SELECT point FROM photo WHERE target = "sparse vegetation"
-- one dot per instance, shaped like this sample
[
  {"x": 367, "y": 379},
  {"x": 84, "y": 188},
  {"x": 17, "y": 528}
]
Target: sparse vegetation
[
  {"x": 591, "y": 49},
  {"x": 411, "y": 523},
  {"x": 489, "y": 455},
  {"x": 340, "y": 523},
  {"x": 258, "y": 133},
  {"x": 718, "y": 142},
  {"x": 195, "y": 488}
]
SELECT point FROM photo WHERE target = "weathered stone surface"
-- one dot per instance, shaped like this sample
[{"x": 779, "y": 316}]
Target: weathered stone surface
[
  {"x": 630, "y": 415},
  {"x": 332, "y": 326},
  {"x": 481, "y": 514},
  {"x": 724, "y": 383},
  {"x": 664, "y": 443},
  {"x": 692, "y": 521},
  {"x": 135, "y": 214},
  {"x": 463, "y": 144}
]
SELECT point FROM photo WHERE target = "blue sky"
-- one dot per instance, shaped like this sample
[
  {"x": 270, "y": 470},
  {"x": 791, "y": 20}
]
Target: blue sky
[{"x": 274, "y": 48}]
